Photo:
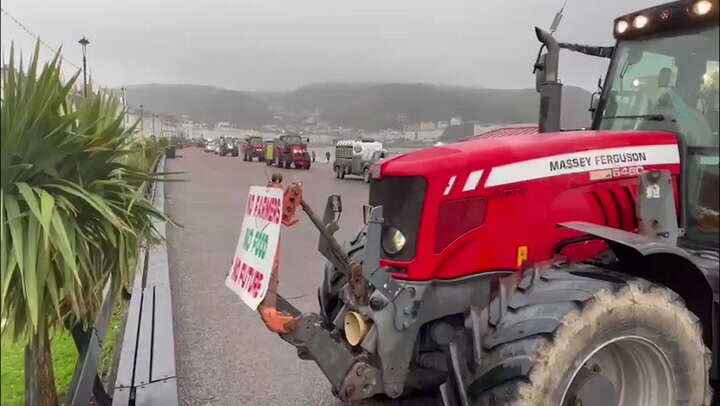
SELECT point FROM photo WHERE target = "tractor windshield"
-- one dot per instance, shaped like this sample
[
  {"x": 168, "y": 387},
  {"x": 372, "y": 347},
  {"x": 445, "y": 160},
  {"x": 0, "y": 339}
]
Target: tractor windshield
[
  {"x": 293, "y": 140},
  {"x": 670, "y": 82}
]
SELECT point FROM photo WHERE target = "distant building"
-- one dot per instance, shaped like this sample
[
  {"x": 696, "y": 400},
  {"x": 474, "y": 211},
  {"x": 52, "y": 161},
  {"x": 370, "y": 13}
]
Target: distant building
[{"x": 427, "y": 126}]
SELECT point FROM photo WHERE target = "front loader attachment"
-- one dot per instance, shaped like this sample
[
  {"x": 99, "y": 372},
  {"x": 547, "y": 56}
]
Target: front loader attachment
[{"x": 351, "y": 377}]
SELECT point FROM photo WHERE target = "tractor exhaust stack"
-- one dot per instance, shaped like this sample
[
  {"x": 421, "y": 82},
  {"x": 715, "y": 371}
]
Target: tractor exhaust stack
[{"x": 547, "y": 82}]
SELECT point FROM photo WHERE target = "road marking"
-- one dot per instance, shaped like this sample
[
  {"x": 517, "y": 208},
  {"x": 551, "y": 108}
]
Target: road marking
[{"x": 472, "y": 180}]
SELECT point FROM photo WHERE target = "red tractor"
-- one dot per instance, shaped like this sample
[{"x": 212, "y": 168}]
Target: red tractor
[
  {"x": 254, "y": 147},
  {"x": 291, "y": 149},
  {"x": 536, "y": 269}
]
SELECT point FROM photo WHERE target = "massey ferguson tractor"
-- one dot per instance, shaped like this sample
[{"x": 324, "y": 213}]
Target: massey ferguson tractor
[
  {"x": 560, "y": 268},
  {"x": 291, "y": 149},
  {"x": 254, "y": 147}
]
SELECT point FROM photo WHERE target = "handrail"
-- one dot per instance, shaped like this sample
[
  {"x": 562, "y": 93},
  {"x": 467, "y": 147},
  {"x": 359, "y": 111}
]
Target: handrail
[{"x": 89, "y": 345}]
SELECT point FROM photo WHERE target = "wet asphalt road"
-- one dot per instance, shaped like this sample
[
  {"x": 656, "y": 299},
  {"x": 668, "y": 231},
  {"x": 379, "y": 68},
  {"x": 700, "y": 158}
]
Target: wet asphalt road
[{"x": 224, "y": 354}]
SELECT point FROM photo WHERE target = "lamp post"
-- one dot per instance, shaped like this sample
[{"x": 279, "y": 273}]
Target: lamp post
[
  {"x": 142, "y": 121},
  {"x": 124, "y": 103},
  {"x": 84, "y": 42}
]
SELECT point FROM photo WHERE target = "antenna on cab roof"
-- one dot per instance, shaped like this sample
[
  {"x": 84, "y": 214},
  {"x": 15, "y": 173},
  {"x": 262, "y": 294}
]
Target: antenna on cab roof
[{"x": 558, "y": 18}]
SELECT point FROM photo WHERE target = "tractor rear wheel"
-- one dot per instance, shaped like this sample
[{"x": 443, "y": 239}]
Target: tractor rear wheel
[{"x": 586, "y": 336}]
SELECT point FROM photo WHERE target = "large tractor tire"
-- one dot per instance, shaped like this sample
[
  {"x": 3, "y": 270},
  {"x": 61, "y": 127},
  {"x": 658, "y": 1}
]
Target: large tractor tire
[{"x": 586, "y": 336}]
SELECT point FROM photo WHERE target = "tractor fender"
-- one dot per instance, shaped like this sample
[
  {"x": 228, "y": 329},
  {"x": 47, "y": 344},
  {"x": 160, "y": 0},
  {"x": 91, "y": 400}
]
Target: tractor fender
[
  {"x": 683, "y": 271},
  {"x": 705, "y": 263}
]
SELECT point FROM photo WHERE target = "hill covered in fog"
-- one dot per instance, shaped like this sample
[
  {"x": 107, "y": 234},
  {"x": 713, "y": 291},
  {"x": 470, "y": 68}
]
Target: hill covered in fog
[
  {"x": 357, "y": 105},
  {"x": 377, "y": 106},
  {"x": 203, "y": 103}
]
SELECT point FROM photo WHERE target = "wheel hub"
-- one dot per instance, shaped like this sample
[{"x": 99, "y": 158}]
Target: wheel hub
[{"x": 591, "y": 388}]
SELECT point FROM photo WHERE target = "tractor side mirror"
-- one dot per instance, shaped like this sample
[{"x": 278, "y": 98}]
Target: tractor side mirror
[
  {"x": 333, "y": 208},
  {"x": 366, "y": 213},
  {"x": 336, "y": 203}
]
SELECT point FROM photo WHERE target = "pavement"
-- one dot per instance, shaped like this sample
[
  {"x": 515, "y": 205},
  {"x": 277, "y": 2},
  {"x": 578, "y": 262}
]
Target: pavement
[{"x": 224, "y": 354}]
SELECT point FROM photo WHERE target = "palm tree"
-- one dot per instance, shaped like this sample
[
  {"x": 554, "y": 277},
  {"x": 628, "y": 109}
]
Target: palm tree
[{"x": 72, "y": 208}]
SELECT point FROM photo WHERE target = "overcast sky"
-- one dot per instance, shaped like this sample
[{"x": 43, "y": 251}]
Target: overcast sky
[{"x": 283, "y": 44}]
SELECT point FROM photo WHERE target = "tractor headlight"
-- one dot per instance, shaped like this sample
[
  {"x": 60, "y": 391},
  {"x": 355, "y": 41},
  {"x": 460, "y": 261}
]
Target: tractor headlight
[
  {"x": 640, "y": 21},
  {"x": 393, "y": 240},
  {"x": 702, "y": 7},
  {"x": 621, "y": 26}
]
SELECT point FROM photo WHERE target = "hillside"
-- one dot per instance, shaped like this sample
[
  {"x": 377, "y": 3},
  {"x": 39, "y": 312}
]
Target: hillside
[
  {"x": 358, "y": 105},
  {"x": 204, "y": 103},
  {"x": 376, "y": 106}
]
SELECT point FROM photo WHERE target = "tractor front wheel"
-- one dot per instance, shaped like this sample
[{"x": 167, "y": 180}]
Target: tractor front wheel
[{"x": 586, "y": 336}]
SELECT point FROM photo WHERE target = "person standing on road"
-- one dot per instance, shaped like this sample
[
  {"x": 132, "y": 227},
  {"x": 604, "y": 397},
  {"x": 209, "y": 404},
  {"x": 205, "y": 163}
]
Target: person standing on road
[
  {"x": 327, "y": 156},
  {"x": 313, "y": 155}
]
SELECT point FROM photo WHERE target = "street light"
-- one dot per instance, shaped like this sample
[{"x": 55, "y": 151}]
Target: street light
[
  {"x": 125, "y": 108},
  {"x": 84, "y": 42},
  {"x": 142, "y": 119}
]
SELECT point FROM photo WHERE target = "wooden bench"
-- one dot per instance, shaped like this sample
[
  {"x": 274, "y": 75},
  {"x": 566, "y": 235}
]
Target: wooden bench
[{"x": 146, "y": 369}]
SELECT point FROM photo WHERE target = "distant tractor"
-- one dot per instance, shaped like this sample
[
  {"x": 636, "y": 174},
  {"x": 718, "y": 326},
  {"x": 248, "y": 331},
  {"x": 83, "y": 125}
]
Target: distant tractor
[
  {"x": 226, "y": 145},
  {"x": 356, "y": 157},
  {"x": 562, "y": 268},
  {"x": 254, "y": 147},
  {"x": 291, "y": 150}
]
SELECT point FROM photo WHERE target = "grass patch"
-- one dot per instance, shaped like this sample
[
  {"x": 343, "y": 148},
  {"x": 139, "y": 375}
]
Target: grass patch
[
  {"x": 107, "y": 358},
  {"x": 12, "y": 360},
  {"x": 12, "y": 368}
]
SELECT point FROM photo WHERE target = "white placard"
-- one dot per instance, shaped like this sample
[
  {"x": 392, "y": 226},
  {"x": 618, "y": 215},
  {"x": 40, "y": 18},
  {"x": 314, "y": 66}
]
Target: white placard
[{"x": 250, "y": 272}]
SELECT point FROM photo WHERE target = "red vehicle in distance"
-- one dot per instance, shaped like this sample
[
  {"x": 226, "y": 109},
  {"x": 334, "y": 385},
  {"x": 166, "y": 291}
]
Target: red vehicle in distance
[{"x": 254, "y": 147}]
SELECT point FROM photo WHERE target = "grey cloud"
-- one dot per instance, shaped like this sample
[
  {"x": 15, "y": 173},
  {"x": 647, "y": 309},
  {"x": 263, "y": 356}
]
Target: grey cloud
[{"x": 279, "y": 45}]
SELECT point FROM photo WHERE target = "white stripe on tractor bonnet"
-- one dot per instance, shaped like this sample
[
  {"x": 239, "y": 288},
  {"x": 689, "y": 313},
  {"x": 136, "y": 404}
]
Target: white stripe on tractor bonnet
[
  {"x": 541, "y": 167},
  {"x": 450, "y": 184},
  {"x": 472, "y": 180}
]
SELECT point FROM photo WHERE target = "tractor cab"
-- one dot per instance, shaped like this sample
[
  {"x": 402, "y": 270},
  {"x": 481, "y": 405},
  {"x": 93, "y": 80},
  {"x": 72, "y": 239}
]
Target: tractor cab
[{"x": 664, "y": 76}]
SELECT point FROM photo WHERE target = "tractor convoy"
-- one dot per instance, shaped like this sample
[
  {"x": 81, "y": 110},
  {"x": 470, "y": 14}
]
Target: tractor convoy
[
  {"x": 285, "y": 151},
  {"x": 560, "y": 268}
]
